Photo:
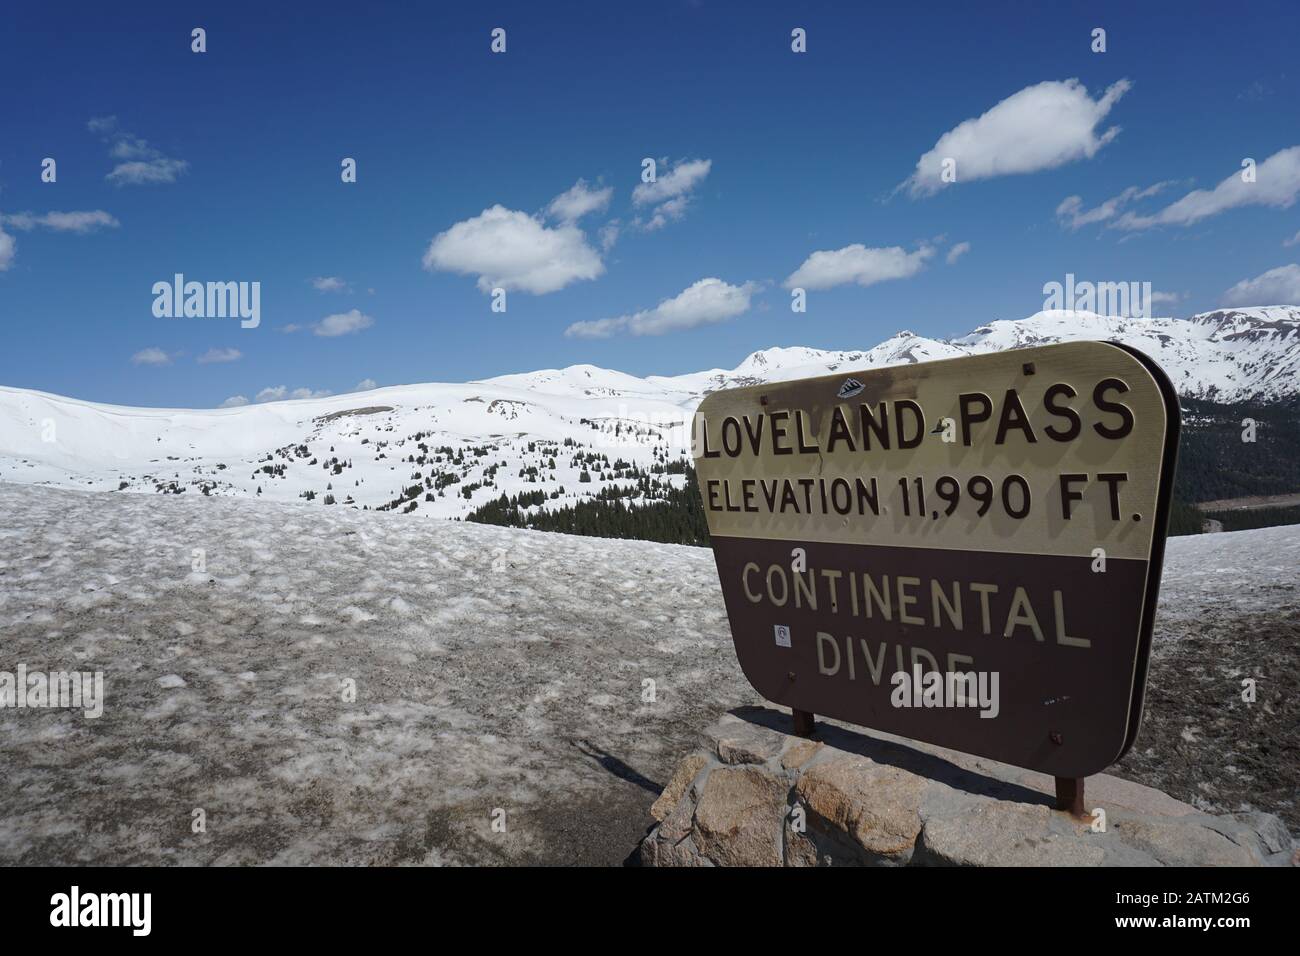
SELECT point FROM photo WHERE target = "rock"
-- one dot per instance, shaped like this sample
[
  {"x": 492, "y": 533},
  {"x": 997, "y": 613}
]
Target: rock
[
  {"x": 799, "y": 752},
  {"x": 682, "y": 777},
  {"x": 959, "y": 827},
  {"x": 857, "y": 805},
  {"x": 740, "y": 742},
  {"x": 1174, "y": 844},
  {"x": 756, "y": 796},
  {"x": 734, "y": 818},
  {"x": 1272, "y": 832},
  {"x": 677, "y": 825}
]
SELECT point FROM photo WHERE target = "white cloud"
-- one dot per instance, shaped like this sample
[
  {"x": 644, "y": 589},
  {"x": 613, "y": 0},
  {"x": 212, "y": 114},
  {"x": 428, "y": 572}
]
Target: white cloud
[
  {"x": 1280, "y": 286},
  {"x": 82, "y": 222},
  {"x": 667, "y": 212},
  {"x": 276, "y": 393},
  {"x": 856, "y": 263},
  {"x": 365, "y": 385},
  {"x": 160, "y": 170},
  {"x": 1293, "y": 241},
  {"x": 957, "y": 251},
  {"x": 1166, "y": 298},
  {"x": 1071, "y": 214},
  {"x": 329, "y": 284},
  {"x": 1277, "y": 184},
  {"x": 514, "y": 251},
  {"x": 151, "y": 356},
  {"x": 1040, "y": 127},
  {"x": 234, "y": 401},
  {"x": 609, "y": 235},
  {"x": 679, "y": 180},
  {"x": 8, "y": 247},
  {"x": 220, "y": 355},
  {"x": 578, "y": 201},
  {"x": 343, "y": 323},
  {"x": 670, "y": 193},
  {"x": 139, "y": 163},
  {"x": 707, "y": 301}
]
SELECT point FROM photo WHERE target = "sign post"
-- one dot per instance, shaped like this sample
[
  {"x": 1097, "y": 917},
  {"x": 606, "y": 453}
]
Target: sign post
[{"x": 963, "y": 552}]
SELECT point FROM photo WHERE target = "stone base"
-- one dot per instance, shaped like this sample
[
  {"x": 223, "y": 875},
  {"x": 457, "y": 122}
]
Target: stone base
[{"x": 755, "y": 795}]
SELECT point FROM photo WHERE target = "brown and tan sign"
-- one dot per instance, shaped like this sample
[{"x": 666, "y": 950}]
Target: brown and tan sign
[{"x": 1001, "y": 516}]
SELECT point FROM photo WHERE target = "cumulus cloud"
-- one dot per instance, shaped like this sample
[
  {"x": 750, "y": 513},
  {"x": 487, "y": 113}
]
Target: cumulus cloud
[
  {"x": 703, "y": 303},
  {"x": 1293, "y": 241},
  {"x": 1280, "y": 286},
  {"x": 276, "y": 393},
  {"x": 857, "y": 263},
  {"x": 1072, "y": 215},
  {"x": 343, "y": 323},
  {"x": 332, "y": 326},
  {"x": 1040, "y": 127},
  {"x": 578, "y": 201},
  {"x": 138, "y": 163},
  {"x": 365, "y": 385},
  {"x": 957, "y": 251},
  {"x": 679, "y": 180},
  {"x": 220, "y": 355},
  {"x": 1166, "y": 298},
  {"x": 665, "y": 213},
  {"x": 514, "y": 251},
  {"x": 669, "y": 194},
  {"x": 159, "y": 170},
  {"x": 234, "y": 401},
  {"x": 82, "y": 222},
  {"x": 329, "y": 284},
  {"x": 151, "y": 356},
  {"x": 1277, "y": 184}
]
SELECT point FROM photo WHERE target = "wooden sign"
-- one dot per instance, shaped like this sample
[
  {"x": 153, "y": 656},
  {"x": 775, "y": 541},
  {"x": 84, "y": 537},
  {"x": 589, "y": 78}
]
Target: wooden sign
[{"x": 963, "y": 552}]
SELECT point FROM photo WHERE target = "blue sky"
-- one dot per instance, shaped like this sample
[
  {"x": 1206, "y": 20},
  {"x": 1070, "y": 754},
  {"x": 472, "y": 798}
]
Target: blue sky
[{"x": 225, "y": 166}]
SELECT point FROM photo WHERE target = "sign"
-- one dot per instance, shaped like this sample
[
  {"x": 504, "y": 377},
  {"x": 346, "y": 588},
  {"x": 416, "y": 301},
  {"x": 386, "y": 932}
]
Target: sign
[{"x": 963, "y": 552}]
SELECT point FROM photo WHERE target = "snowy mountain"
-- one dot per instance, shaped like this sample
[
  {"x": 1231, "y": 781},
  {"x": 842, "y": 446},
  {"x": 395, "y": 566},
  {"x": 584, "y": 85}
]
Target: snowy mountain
[
  {"x": 1227, "y": 356},
  {"x": 553, "y": 435}
]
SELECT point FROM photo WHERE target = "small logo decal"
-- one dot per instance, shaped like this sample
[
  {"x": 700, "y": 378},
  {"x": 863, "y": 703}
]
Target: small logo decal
[
  {"x": 850, "y": 388},
  {"x": 782, "y": 635}
]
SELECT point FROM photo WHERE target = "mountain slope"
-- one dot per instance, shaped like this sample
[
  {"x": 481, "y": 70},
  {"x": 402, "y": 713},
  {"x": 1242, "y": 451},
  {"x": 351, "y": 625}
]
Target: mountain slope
[{"x": 557, "y": 435}]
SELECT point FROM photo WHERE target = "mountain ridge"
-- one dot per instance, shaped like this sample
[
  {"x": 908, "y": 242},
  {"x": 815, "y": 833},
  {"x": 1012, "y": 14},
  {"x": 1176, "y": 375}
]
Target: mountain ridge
[{"x": 554, "y": 435}]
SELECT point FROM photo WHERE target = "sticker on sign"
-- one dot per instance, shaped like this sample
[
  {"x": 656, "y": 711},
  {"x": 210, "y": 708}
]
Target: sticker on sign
[{"x": 1000, "y": 514}]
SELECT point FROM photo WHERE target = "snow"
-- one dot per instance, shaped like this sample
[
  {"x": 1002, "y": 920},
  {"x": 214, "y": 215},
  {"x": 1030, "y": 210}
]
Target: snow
[
  {"x": 493, "y": 668},
  {"x": 479, "y": 683},
  {"x": 51, "y": 440}
]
